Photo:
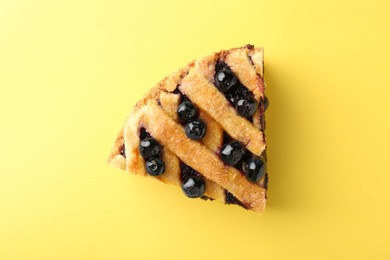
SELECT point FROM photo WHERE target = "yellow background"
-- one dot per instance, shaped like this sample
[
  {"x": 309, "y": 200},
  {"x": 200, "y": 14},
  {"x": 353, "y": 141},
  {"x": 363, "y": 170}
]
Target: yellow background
[{"x": 71, "y": 70}]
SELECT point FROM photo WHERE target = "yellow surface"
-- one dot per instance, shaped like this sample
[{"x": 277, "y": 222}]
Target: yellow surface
[{"x": 71, "y": 70}]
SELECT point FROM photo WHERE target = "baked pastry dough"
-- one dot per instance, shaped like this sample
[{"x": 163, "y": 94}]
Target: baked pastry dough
[{"x": 204, "y": 136}]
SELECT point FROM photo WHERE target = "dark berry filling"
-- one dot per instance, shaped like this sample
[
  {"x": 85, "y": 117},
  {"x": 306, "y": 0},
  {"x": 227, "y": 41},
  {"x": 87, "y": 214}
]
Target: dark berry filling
[
  {"x": 264, "y": 103},
  {"x": 195, "y": 129},
  {"x": 155, "y": 166},
  {"x": 192, "y": 183},
  {"x": 262, "y": 122},
  {"x": 122, "y": 150},
  {"x": 186, "y": 170},
  {"x": 238, "y": 95},
  {"x": 225, "y": 79},
  {"x": 149, "y": 147},
  {"x": 230, "y": 199},
  {"x": 254, "y": 168},
  {"x": 265, "y": 185},
  {"x": 151, "y": 150},
  {"x": 143, "y": 133},
  {"x": 193, "y": 186},
  {"x": 187, "y": 113},
  {"x": 232, "y": 152},
  {"x": 246, "y": 107},
  {"x": 226, "y": 138}
]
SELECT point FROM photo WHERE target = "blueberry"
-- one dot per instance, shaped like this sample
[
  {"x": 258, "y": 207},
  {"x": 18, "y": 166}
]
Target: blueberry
[
  {"x": 246, "y": 107},
  {"x": 254, "y": 168},
  {"x": 231, "y": 96},
  {"x": 149, "y": 147},
  {"x": 186, "y": 112},
  {"x": 232, "y": 153},
  {"x": 155, "y": 166},
  {"x": 195, "y": 129},
  {"x": 225, "y": 80},
  {"x": 193, "y": 186}
]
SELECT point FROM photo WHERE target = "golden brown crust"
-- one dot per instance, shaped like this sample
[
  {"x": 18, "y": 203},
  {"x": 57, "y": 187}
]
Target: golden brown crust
[
  {"x": 156, "y": 112},
  {"x": 257, "y": 58},
  {"x": 170, "y": 102},
  {"x": 206, "y": 66},
  {"x": 214, "y": 135}
]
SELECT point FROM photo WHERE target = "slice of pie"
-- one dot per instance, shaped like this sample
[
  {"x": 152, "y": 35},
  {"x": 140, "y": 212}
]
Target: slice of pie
[{"x": 202, "y": 129}]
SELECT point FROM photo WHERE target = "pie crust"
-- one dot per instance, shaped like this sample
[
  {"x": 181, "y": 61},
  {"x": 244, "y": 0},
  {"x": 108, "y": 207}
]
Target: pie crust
[{"x": 156, "y": 112}]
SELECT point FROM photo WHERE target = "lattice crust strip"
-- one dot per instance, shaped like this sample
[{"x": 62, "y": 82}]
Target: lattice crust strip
[{"x": 157, "y": 113}]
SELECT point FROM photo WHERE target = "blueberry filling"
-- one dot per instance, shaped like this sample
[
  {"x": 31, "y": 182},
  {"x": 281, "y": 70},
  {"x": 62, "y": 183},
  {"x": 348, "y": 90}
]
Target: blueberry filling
[
  {"x": 264, "y": 103},
  {"x": 226, "y": 138},
  {"x": 246, "y": 107},
  {"x": 238, "y": 95},
  {"x": 154, "y": 166},
  {"x": 225, "y": 79},
  {"x": 195, "y": 129},
  {"x": 192, "y": 183},
  {"x": 187, "y": 113},
  {"x": 193, "y": 186},
  {"x": 254, "y": 168},
  {"x": 262, "y": 122},
  {"x": 122, "y": 150},
  {"x": 149, "y": 147},
  {"x": 265, "y": 185},
  {"x": 143, "y": 133},
  {"x": 230, "y": 199},
  {"x": 186, "y": 170},
  {"x": 151, "y": 150},
  {"x": 233, "y": 153}
]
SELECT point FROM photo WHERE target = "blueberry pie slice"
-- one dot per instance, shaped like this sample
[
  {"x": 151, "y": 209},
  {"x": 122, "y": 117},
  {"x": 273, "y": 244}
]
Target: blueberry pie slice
[{"x": 202, "y": 129}]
